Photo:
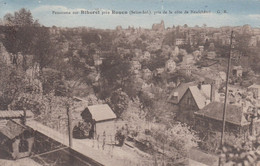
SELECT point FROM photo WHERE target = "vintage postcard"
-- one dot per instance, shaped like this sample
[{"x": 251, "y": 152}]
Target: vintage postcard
[{"x": 129, "y": 82}]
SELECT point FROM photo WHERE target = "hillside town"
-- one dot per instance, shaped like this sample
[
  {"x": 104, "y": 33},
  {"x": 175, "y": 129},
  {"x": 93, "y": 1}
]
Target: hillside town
[{"x": 128, "y": 96}]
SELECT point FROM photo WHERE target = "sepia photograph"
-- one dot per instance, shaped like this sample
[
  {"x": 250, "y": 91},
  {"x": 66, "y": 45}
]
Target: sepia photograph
[{"x": 129, "y": 82}]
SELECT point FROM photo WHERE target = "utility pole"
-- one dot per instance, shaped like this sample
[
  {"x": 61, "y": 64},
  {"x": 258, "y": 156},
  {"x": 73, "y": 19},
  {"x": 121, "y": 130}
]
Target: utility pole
[
  {"x": 69, "y": 125},
  {"x": 226, "y": 95}
]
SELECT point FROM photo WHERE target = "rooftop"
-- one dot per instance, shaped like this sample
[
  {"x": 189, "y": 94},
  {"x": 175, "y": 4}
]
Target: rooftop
[
  {"x": 14, "y": 114},
  {"x": 214, "y": 110},
  {"x": 254, "y": 86},
  {"x": 12, "y": 129},
  {"x": 198, "y": 96},
  {"x": 181, "y": 89},
  {"x": 101, "y": 112}
]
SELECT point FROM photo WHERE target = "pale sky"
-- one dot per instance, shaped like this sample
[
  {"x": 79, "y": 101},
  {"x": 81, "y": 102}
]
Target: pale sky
[{"x": 239, "y": 12}]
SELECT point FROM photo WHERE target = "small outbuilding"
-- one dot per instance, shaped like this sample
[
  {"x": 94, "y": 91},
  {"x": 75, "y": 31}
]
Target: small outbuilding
[
  {"x": 237, "y": 71},
  {"x": 16, "y": 139},
  {"x": 102, "y": 117}
]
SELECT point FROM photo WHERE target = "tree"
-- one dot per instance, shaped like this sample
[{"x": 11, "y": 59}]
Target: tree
[
  {"x": 30, "y": 40},
  {"x": 43, "y": 47},
  {"x": 22, "y": 17},
  {"x": 156, "y": 62},
  {"x": 118, "y": 101},
  {"x": 115, "y": 70},
  {"x": 248, "y": 154},
  {"x": 52, "y": 82},
  {"x": 8, "y": 19},
  {"x": 181, "y": 137},
  {"x": 19, "y": 39},
  {"x": 91, "y": 37},
  {"x": 206, "y": 45},
  {"x": 241, "y": 43},
  {"x": 1, "y": 22},
  {"x": 24, "y": 35},
  {"x": 134, "y": 114},
  {"x": 12, "y": 83},
  {"x": 169, "y": 39}
]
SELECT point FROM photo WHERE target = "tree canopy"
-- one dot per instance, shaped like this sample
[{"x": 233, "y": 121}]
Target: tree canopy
[{"x": 22, "y": 17}]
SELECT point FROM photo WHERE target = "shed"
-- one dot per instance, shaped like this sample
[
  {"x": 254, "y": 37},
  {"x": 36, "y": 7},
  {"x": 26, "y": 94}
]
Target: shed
[
  {"x": 237, "y": 71},
  {"x": 103, "y": 118},
  {"x": 16, "y": 139}
]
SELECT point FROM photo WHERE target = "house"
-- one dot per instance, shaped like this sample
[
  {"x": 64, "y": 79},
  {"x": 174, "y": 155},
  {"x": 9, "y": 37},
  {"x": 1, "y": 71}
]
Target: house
[
  {"x": 102, "y": 117},
  {"x": 212, "y": 46},
  {"x": 185, "y": 69},
  {"x": 170, "y": 66},
  {"x": 97, "y": 60},
  {"x": 137, "y": 52},
  {"x": 158, "y": 72},
  {"x": 225, "y": 39},
  {"x": 175, "y": 52},
  {"x": 255, "y": 89},
  {"x": 210, "y": 119},
  {"x": 123, "y": 51},
  {"x": 188, "y": 59},
  {"x": 211, "y": 54},
  {"x": 196, "y": 54},
  {"x": 136, "y": 65},
  {"x": 147, "y": 74},
  {"x": 237, "y": 71},
  {"x": 15, "y": 139},
  {"x": 145, "y": 56},
  {"x": 178, "y": 92},
  {"x": 216, "y": 36},
  {"x": 194, "y": 99},
  {"x": 201, "y": 48},
  {"x": 203, "y": 35},
  {"x": 180, "y": 41}
]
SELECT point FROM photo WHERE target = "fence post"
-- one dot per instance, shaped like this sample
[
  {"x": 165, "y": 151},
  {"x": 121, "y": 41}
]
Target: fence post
[{"x": 104, "y": 140}]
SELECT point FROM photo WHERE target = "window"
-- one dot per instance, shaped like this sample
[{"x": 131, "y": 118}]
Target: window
[
  {"x": 23, "y": 146},
  {"x": 175, "y": 98}
]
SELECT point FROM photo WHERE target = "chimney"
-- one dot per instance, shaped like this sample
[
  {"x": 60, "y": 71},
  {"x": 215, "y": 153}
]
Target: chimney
[
  {"x": 199, "y": 85},
  {"x": 212, "y": 93},
  {"x": 176, "y": 96},
  {"x": 253, "y": 121}
]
